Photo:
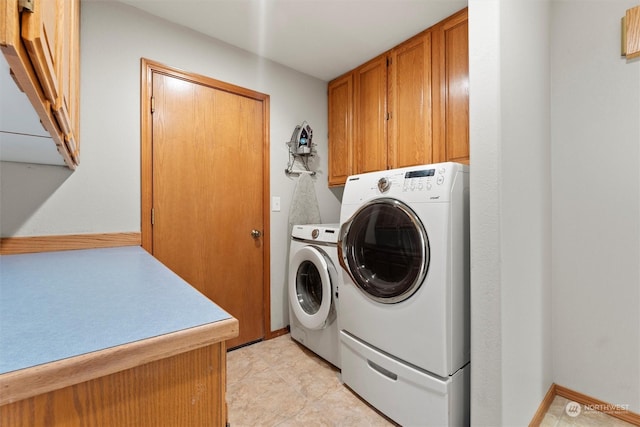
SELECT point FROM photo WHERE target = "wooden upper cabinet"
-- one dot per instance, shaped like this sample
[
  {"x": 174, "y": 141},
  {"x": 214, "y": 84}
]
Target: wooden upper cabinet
[
  {"x": 42, "y": 36},
  {"x": 340, "y": 129},
  {"x": 451, "y": 77},
  {"x": 42, "y": 49},
  {"x": 370, "y": 111},
  {"x": 410, "y": 105},
  {"x": 631, "y": 33},
  {"x": 68, "y": 105}
]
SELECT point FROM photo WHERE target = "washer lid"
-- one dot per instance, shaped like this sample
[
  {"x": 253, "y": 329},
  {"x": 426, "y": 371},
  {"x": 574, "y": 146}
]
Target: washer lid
[
  {"x": 385, "y": 249},
  {"x": 310, "y": 288}
]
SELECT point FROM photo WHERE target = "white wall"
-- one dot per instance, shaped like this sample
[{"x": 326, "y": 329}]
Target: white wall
[
  {"x": 555, "y": 199},
  {"x": 510, "y": 209},
  {"x": 596, "y": 203},
  {"x": 103, "y": 195}
]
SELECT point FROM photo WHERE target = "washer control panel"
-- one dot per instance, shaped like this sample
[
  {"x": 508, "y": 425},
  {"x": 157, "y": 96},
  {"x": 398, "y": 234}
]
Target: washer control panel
[
  {"x": 424, "y": 179},
  {"x": 431, "y": 183}
]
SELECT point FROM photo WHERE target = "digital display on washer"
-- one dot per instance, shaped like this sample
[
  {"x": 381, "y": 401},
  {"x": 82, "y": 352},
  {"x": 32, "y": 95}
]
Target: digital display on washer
[{"x": 420, "y": 173}]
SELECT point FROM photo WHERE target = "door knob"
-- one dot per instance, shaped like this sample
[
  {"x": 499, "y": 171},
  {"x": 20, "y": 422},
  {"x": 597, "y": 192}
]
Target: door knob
[{"x": 255, "y": 234}]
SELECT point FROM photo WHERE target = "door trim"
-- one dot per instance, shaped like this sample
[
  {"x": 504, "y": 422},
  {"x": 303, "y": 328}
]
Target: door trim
[{"x": 147, "y": 68}]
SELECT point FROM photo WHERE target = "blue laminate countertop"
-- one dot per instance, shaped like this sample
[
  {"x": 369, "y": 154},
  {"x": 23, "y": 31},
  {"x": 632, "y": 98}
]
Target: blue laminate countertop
[{"x": 57, "y": 305}]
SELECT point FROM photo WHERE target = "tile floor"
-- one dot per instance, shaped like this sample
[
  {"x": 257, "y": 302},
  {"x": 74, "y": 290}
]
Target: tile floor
[
  {"x": 559, "y": 416},
  {"x": 281, "y": 383}
]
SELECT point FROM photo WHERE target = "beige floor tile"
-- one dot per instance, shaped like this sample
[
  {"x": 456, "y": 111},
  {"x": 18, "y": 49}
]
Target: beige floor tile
[
  {"x": 244, "y": 362},
  {"x": 281, "y": 383},
  {"x": 343, "y": 408},
  {"x": 557, "y": 416},
  {"x": 262, "y": 400}
]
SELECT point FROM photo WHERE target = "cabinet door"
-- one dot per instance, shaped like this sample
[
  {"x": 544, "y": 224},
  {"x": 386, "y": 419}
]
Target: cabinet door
[
  {"x": 451, "y": 70},
  {"x": 410, "y": 115},
  {"x": 340, "y": 129},
  {"x": 370, "y": 110},
  {"x": 42, "y": 36},
  {"x": 67, "y": 107}
]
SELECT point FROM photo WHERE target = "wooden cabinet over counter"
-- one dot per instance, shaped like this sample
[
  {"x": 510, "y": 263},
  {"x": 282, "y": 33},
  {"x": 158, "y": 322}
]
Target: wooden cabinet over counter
[
  {"x": 41, "y": 45},
  {"x": 406, "y": 107}
]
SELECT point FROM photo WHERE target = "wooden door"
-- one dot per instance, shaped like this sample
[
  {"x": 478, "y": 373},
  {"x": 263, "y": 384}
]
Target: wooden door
[
  {"x": 370, "y": 103},
  {"x": 209, "y": 179},
  {"x": 410, "y": 115},
  {"x": 340, "y": 129},
  {"x": 451, "y": 101}
]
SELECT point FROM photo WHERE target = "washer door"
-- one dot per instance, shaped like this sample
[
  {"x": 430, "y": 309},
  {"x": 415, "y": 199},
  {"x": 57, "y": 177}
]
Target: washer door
[
  {"x": 385, "y": 249},
  {"x": 310, "y": 288}
]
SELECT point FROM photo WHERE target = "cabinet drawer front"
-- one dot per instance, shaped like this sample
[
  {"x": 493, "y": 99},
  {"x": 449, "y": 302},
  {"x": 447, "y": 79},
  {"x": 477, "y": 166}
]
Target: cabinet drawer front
[{"x": 403, "y": 393}]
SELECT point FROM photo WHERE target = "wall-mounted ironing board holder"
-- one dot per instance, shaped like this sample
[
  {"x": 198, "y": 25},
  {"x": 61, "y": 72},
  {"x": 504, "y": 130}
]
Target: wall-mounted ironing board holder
[
  {"x": 290, "y": 171},
  {"x": 299, "y": 172}
]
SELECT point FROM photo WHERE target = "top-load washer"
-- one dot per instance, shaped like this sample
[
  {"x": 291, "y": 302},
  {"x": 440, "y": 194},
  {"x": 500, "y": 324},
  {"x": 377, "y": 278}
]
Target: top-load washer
[
  {"x": 404, "y": 249},
  {"x": 313, "y": 289}
]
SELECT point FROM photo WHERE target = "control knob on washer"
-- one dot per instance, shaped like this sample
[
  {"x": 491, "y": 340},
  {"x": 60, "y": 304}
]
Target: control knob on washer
[{"x": 384, "y": 184}]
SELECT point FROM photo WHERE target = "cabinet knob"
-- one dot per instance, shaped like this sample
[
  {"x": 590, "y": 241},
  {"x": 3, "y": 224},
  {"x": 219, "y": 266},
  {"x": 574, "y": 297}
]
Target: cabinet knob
[{"x": 256, "y": 234}]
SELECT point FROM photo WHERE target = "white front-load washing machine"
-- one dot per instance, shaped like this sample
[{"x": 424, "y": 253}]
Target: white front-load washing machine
[
  {"x": 313, "y": 289},
  {"x": 404, "y": 249}
]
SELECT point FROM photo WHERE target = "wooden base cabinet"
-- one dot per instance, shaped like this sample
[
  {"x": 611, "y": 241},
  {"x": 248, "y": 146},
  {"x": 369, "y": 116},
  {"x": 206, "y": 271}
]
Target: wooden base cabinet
[
  {"x": 187, "y": 389},
  {"x": 409, "y": 106}
]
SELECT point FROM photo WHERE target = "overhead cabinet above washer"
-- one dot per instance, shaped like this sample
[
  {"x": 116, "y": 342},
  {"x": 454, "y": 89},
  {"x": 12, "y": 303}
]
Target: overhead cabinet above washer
[
  {"x": 41, "y": 44},
  {"x": 406, "y": 107}
]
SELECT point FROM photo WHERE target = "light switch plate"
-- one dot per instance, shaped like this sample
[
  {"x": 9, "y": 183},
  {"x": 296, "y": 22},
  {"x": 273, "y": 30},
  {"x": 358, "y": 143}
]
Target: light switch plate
[{"x": 275, "y": 204}]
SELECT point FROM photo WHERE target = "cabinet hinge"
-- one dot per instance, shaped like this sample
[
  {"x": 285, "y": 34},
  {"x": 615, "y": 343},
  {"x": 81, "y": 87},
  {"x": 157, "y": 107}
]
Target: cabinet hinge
[
  {"x": 153, "y": 216},
  {"x": 25, "y": 5},
  {"x": 153, "y": 104},
  {"x": 388, "y": 116},
  {"x": 388, "y": 61}
]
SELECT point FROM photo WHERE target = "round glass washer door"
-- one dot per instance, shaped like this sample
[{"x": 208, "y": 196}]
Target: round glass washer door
[
  {"x": 310, "y": 288},
  {"x": 385, "y": 249}
]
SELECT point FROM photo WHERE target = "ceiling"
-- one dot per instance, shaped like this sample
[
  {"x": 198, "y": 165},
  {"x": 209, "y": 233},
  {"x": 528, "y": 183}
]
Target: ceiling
[{"x": 322, "y": 38}]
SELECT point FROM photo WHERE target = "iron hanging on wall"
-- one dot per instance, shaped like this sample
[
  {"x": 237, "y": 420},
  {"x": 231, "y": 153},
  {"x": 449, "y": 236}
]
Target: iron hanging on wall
[
  {"x": 301, "y": 139},
  {"x": 300, "y": 146}
]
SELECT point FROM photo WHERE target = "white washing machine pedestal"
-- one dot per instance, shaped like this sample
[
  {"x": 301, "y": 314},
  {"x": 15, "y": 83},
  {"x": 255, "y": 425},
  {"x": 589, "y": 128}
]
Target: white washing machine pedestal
[{"x": 407, "y": 395}]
